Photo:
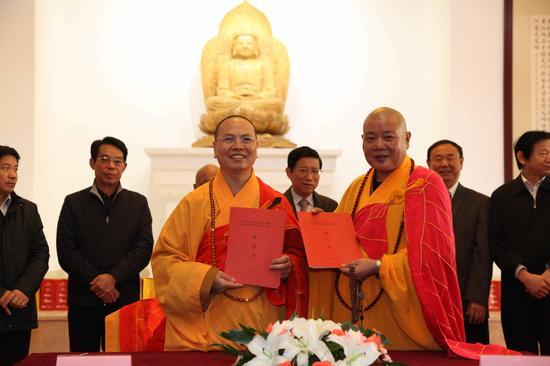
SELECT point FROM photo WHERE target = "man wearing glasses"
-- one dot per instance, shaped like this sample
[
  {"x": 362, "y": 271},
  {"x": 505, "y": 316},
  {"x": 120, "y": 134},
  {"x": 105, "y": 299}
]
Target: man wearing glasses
[
  {"x": 104, "y": 239},
  {"x": 304, "y": 169}
]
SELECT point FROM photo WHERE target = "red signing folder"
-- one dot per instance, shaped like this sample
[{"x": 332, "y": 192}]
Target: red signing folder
[
  {"x": 329, "y": 239},
  {"x": 255, "y": 239}
]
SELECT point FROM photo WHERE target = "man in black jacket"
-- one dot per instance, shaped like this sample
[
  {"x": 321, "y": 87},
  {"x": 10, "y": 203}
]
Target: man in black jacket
[
  {"x": 104, "y": 239},
  {"x": 24, "y": 258},
  {"x": 519, "y": 235}
]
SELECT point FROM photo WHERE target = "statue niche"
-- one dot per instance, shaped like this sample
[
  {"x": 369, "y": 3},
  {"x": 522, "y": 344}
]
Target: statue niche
[{"x": 245, "y": 71}]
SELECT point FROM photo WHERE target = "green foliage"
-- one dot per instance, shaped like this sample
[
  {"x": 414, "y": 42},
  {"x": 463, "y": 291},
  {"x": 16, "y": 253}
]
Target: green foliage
[
  {"x": 336, "y": 350},
  {"x": 229, "y": 349},
  {"x": 240, "y": 336},
  {"x": 245, "y": 357},
  {"x": 347, "y": 326}
]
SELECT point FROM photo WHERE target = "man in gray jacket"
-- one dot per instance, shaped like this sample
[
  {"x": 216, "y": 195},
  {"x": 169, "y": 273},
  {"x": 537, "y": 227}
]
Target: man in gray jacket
[{"x": 23, "y": 263}]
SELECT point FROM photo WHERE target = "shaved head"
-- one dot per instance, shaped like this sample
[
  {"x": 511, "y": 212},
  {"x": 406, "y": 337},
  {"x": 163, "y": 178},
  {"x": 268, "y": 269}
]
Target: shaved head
[
  {"x": 204, "y": 174},
  {"x": 233, "y": 117},
  {"x": 387, "y": 113},
  {"x": 385, "y": 140}
]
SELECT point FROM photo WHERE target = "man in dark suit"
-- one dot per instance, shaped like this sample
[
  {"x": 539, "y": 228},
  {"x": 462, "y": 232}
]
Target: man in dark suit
[
  {"x": 303, "y": 169},
  {"x": 473, "y": 260},
  {"x": 519, "y": 234}
]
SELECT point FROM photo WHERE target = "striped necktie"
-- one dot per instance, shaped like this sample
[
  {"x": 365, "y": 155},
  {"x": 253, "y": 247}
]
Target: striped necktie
[{"x": 304, "y": 205}]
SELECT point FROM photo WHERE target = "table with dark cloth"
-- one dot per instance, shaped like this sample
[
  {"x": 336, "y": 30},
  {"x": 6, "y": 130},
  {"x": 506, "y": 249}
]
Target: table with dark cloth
[{"x": 411, "y": 358}]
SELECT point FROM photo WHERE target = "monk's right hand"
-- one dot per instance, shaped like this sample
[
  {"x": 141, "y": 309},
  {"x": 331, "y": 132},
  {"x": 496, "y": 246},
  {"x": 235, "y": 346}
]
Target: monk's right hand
[
  {"x": 364, "y": 268},
  {"x": 224, "y": 282}
]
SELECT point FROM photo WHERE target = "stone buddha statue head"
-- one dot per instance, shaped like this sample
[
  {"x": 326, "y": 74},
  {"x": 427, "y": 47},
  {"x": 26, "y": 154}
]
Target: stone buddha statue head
[
  {"x": 245, "y": 71},
  {"x": 245, "y": 46}
]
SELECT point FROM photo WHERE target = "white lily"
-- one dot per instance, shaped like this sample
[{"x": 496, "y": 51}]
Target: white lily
[
  {"x": 327, "y": 325},
  {"x": 358, "y": 351},
  {"x": 306, "y": 340},
  {"x": 267, "y": 350}
]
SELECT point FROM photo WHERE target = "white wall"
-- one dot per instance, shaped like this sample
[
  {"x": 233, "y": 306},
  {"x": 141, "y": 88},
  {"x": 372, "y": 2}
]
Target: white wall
[
  {"x": 17, "y": 85},
  {"x": 131, "y": 69},
  {"x": 476, "y": 99}
]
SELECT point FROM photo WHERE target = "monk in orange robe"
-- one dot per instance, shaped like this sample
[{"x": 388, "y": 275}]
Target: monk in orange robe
[
  {"x": 199, "y": 299},
  {"x": 408, "y": 287}
]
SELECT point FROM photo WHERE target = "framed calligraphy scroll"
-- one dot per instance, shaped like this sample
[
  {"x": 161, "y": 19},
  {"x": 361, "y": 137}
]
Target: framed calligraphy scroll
[{"x": 526, "y": 73}]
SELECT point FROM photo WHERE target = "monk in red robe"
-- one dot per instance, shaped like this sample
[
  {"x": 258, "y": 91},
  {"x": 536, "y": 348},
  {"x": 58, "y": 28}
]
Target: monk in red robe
[{"x": 407, "y": 284}]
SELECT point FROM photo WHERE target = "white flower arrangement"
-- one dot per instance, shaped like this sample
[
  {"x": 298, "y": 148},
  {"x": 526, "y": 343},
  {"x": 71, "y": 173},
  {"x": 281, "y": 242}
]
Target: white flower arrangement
[{"x": 308, "y": 342}]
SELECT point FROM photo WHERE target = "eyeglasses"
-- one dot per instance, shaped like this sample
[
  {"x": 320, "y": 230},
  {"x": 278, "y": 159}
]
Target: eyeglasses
[
  {"x": 230, "y": 140},
  {"x": 105, "y": 160},
  {"x": 305, "y": 171}
]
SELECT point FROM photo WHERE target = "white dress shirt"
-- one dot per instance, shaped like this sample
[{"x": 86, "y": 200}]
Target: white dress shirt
[{"x": 5, "y": 205}]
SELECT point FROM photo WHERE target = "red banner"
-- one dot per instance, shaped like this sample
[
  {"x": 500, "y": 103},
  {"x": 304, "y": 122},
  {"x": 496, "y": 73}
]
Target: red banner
[
  {"x": 53, "y": 294},
  {"x": 494, "y": 296}
]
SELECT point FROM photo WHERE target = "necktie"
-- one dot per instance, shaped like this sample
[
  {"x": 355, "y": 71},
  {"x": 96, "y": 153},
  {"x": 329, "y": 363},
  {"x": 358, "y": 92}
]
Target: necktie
[{"x": 304, "y": 204}]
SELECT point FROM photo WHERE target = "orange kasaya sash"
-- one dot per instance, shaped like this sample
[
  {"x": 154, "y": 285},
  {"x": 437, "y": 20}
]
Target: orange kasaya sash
[
  {"x": 431, "y": 256},
  {"x": 293, "y": 292}
]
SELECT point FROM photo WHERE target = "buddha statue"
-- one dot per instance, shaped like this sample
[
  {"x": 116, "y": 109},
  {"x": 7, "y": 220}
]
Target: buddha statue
[{"x": 245, "y": 71}]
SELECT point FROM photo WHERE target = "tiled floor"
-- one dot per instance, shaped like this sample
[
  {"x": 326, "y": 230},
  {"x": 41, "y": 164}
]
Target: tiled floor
[
  {"x": 495, "y": 329},
  {"x": 52, "y": 334}
]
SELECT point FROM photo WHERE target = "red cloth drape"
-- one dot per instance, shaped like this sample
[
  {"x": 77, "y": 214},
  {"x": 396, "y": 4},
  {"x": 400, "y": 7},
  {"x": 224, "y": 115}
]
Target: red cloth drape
[
  {"x": 141, "y": 326},
  {"x": 431, "y": 253}
]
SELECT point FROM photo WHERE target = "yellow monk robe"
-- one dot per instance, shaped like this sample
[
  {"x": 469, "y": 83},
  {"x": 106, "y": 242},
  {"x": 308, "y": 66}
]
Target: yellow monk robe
[
  {"x": 195, "y": 319},
  {"x": 399, "y": 314}
]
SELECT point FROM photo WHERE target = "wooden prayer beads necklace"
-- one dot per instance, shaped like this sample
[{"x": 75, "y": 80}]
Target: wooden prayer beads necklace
[
  {"x": 213, "y": 247},
  {"x": 355, "y": 286}
]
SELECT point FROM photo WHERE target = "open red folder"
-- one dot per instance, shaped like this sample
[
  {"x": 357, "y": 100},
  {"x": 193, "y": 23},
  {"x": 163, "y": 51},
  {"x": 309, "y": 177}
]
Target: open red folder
[
  {"x": 255, "y": 238},
  {"x": 329, "y": 239}
]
